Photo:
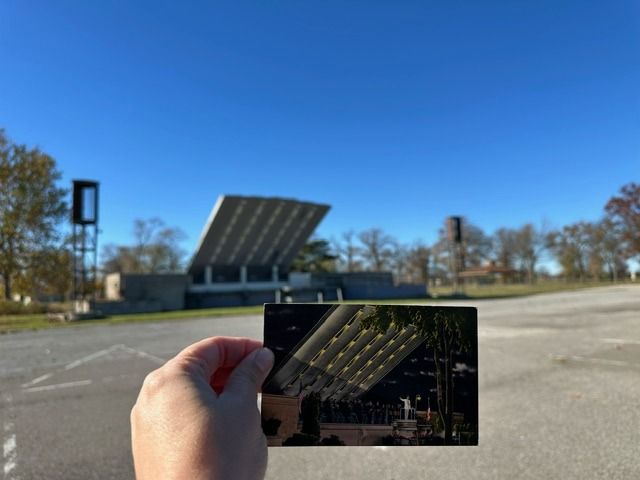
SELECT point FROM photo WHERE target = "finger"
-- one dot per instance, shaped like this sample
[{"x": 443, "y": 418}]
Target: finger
[
  {"x": 211, "y": 354},
  {"x": 250, "y": 374}
]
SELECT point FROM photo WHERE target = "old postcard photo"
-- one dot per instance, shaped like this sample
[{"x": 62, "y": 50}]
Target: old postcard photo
[{"x": 365, "y": 375}]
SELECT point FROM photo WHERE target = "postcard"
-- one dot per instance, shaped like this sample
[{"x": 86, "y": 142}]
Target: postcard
[{"x": 366, "y": 375}]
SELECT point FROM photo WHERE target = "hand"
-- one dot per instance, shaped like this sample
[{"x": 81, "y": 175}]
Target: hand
[{"x": 196, "y": 417}]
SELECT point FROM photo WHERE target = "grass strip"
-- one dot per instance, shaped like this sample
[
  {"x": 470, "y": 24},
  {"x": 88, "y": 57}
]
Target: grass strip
[{"x": 10, "y": 323}]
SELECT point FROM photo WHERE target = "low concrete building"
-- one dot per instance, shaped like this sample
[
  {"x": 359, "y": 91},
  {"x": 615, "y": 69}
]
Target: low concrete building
[{"x": 139, "y": 293}]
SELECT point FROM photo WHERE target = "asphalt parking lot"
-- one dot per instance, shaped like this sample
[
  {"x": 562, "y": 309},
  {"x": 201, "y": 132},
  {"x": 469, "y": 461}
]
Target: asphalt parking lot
[{"x": 559, "y": 388}]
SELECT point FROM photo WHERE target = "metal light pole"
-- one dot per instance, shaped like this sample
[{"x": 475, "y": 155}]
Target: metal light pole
[{"x": 85, "y": 241}]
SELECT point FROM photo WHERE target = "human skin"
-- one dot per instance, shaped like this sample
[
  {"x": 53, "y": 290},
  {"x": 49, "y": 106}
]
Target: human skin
[{"x": 196, "y": 417}]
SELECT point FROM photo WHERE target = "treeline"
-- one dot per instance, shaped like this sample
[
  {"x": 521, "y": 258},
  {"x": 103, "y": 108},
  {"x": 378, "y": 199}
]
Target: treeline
[
  {"x": 36, "y": 251},
  {"x": 155, "y": 249},
  {"x": 36, "y": 259},
  {"x": 598, "y": 250}
]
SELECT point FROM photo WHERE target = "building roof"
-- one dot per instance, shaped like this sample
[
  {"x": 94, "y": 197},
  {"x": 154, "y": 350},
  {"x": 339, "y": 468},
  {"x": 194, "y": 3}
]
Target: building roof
[
  {"x": 486, "y": 271},
  {"x": 255, "y": 231}
]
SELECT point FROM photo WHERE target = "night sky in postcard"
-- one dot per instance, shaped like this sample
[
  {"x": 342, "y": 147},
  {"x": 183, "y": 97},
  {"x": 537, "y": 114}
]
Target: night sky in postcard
[{"x": 287, "y": 324}]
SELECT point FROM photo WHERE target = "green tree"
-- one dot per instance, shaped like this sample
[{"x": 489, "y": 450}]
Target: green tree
[
  {"x": 315, "y": 256},
  {"x": 445, "y": 331},
  {"x": 31, "y": 208},
  {"x": 571, "y": 247},
  {"x": 50, "y": 274},
  {"x": 624, "y": 211}
]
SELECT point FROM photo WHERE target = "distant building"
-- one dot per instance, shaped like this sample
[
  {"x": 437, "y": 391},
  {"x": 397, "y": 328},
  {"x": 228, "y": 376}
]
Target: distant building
[{"x": 491, "y": 273}]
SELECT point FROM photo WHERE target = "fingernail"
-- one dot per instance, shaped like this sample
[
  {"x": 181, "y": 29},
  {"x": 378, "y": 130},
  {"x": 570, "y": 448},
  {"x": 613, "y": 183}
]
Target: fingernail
[{"x": 264, "y": 359}]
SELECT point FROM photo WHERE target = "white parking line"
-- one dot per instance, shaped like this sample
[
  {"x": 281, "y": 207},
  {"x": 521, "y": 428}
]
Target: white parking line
[
  {"x": 57, "y": 386},
  {"x": 9, "y": 445},
  {"x": 148, "y": 356},
  {"x": 72, "y": 365},
  {"x": 41, "y": 378},
  {"x": 9, "y": 453},
  {"x": 81, "y": 361},
  {"x": 93, "y": 356}
]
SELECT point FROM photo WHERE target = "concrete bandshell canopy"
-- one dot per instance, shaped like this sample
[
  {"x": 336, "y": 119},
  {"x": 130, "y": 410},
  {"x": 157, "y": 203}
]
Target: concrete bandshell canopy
[{"x": 255, "y": 232}]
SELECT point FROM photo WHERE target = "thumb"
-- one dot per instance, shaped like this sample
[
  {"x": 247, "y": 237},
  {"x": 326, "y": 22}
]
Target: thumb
[{"x": 250, "y": 374}]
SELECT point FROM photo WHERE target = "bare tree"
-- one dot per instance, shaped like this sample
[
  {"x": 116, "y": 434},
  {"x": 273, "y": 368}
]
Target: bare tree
[
  {"x": 477, "y": 249},
  {"x": 530, "y": 243},
  {"x": 398, "y": 261},
  {"x": 571, "y": 247},
  {"x": 505, "y": 247},
  {"x": 156, "y": 249},
  {"x": 377, "y": 248},
  {"x": 348, "y": 252},
  {"x": 607, "y": 249},
  {"x": 418, "y": 260},
  {"x": 165, "y": 254},
  {"x": 477, "y": 244},
  {"x": 119, "y": 258},
  {"x": 440, "y": 270}
]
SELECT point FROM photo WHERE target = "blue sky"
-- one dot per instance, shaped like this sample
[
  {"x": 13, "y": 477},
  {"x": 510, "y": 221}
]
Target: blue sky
[{"x": 395, "y": 113}]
